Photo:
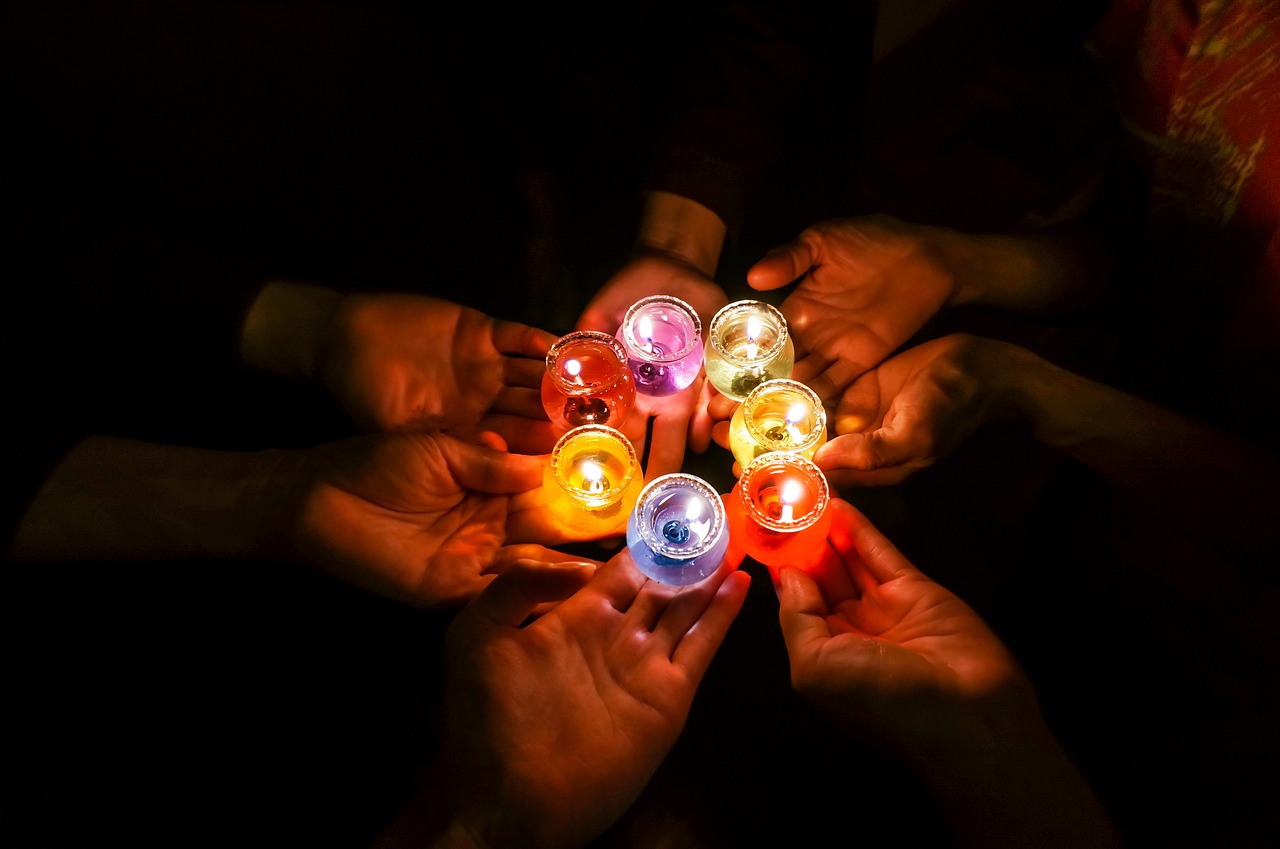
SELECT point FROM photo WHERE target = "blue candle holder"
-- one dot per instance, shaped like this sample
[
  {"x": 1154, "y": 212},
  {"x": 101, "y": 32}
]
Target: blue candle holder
[{"x": 677, "y": 534}]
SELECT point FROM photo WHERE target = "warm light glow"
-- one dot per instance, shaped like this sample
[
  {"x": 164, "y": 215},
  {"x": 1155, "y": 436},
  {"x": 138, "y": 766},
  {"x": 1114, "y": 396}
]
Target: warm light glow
[
  {"x": 753, "y": 333},
  {"x": 574, "y": 369},
  {"x": 694, "y": 511},
  {"x": 645, "y": 328},
  {"x": 593, "y": 477},
  {"x": 792, "y": 491},
  {"x": 796, "y": 414}
]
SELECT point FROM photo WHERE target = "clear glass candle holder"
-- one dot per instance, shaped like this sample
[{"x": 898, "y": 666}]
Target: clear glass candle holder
[
  {"x": 662, "y": 336},
  {"x": 748, "y": 343},
  {"x": 678, "y": 534},
  {"x": 587, "y": 381},
  {"x": 777, "y": 510},
  {"x": 778, "y": 415},
  {"x": 593, "y": 480}
]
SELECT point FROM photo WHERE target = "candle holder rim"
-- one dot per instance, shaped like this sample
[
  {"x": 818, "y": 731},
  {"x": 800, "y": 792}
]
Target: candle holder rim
[
  {"x": 586, "y": 388},
  {"x": 785, "y": 458},
  {"x": 755, "y": 397},
  {"x": 650, "y": 538},
  {"x": 602, "y": 430},
  {"x": 694, "y": 340},
  {"x": 728, "y": 310}
]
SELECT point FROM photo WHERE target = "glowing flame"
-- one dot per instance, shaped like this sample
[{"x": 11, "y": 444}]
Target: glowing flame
[
  {"x": 645, "y": 328},
  {"x": 574, "y": 369},
  {"x": 753, "y": 334},
  {"x": 792, "y": 491}
]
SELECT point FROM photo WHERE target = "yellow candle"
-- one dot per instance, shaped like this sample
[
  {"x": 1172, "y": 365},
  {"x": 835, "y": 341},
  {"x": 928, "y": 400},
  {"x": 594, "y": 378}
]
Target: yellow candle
[
  {"x": 778, "y": 415},
  {"x": 592, "y": 480}
]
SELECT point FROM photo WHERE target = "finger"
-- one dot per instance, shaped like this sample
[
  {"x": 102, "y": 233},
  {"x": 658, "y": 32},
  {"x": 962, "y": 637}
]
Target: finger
[
  {"x": 701, "y": 641},
  {"x": 681, "y": 611},
  {"x": 523, "y": 435},
  {"x": 858, "y": 409},
  {"x": 809, "y": 366},
  {"x": 519, "y": 401},
  {"x": 802, "y": 613},
  {"x": 509, "y": 554},
  {"x": 721, "y": 407},
  {"x": 781, "y": 265},
  {"x": 701, "y": 423},
  {"x": 513, "y": 337},
  {"x": 850, "y": 460},
  {"x": 666, "y": 448},
  {"x": 832, "y": 381},
  {"x": 513, "y": 595},
  {"x": 720, "y": 434},
  {"x": 618, "y": 581},
  {"x": 853, "y": 535},
  {"x": 524, "y": 372},
  {"x": 483, "y": 469},
  {"x": 491, "y": 440}
]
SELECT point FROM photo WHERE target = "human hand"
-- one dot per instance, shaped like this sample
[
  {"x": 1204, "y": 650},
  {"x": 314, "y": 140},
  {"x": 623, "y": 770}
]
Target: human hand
[
  {"x": 866, "y": 285},
  {"x": 424, "y": 518},
  {"x": 406, "y": 362},
  {"x": 899, "y": 662},
  {"x": 916, "y": 407},
  {"x": 888, "y": 653},
  {"x": 553, "y": 726},
  {"x": 678, "y": 419}
]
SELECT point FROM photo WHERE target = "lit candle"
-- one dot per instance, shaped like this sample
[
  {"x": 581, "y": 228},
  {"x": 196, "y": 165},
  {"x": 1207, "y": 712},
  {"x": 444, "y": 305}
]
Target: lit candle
[
  {"x": 778, "y": 415},
  {"x": 777, "y": 511},
  {"x": 587, "y": 381},
  {"x": 677, "y": 534},
  {"x": 593, "y": 479},
  {"x": 662, "y": 336},
  {"x": 747, "y": 344}
]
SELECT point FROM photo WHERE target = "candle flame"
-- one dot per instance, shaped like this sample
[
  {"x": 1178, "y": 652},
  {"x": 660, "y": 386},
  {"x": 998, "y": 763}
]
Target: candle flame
[
  {"x": 693, "y": 511},
  {"x": 753, "y": 327},
  {"x": 792, "y": 491},
  {"x": 645, "y": 328},
  {"x": 574, "y": 369},
  {"x": 796, "y": 413}
]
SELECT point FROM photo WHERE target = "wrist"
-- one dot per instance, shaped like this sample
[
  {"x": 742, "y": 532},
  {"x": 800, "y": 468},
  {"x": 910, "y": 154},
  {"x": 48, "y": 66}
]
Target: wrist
[
  {"x": 682, "y": 229},
  {"x": 286, "y": 326}
]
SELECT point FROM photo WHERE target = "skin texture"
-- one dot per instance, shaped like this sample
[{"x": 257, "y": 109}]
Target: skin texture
[{"x": 554, "y": 725}]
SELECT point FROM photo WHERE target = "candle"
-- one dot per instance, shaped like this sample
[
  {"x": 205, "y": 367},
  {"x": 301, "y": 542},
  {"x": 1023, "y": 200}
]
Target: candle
[
  {"x": 747, "y": 344},
  {"x": 777, "y": 511},
  {"x": 778, "y": 415},
  {"x": 587, "y": 381},
  {"x": 593, "y": 479},
  {"x": 677, "y": 533},
  {"x": 662, "y": 336}
]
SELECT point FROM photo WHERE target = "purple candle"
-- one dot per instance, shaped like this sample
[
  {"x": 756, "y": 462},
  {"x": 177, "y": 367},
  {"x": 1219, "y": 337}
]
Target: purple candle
[{"x": 663, "y": 338}]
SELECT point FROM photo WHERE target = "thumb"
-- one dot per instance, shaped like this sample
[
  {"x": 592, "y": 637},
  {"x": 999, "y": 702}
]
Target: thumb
[
  {"x": 802, "y": 613},
  {"x": 781, "y": 265},
  {"x": 484, "y": 468}
]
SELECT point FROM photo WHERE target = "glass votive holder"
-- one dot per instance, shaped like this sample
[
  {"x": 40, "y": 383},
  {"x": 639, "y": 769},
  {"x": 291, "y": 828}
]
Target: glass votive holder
[
  {"x": 778, "y": 415},
  {"x": 587, "y": 381},
  {"x": 592, "y": 480},
  {"x": 662, "y": 336},
  {"x": 677, "y": 534},
  {"x": 747, "y": 344},
  {"x": 777, "y": 510}
]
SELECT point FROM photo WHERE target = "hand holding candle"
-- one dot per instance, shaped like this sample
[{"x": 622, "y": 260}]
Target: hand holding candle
[
  {"x": 748, "y": 343},
  {"x": 587, "y": 381},
  {"x": 662, "y": 336},
  {"x": 777, "y": 510},
  {"x": 778, "y": 415},
  {"x": 677, "y": 533},
  {"x": 593, "y": 479}
]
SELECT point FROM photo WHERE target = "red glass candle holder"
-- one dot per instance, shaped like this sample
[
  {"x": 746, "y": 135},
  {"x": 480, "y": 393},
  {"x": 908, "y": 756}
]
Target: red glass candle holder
[
  {"x": 587, "y": 382},
  {"x": 777, "y": 510}
]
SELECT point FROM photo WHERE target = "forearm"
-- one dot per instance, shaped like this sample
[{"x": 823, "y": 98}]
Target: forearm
[
  {"x": 1204, "y": 479},
  {"x": 677, "y": 226},
  {"x": 114, "y": 498},
  {"x": 1016, "y": 791},
  {"x": 1031, "y": 273},
  {"x": 285, "y": 326}
]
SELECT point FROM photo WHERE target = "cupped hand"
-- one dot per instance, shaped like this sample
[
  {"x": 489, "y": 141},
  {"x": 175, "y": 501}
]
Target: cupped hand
[
  {"x": 865, "y": 286},
  {"x": 915, "y": 408},
  {"x": 554, "y": 725},
  {"x": 411, "y": 362},
  {"x": 890, "y": 655},
  {"x": 419, "y": 517},
  {"x": 679, "y": 419}
]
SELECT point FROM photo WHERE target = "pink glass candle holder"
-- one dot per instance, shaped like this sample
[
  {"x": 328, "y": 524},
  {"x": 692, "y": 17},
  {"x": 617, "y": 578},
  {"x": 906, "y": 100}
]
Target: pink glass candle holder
[
  {"x": 778, "y": 415},
  {"x": 748, "y": 343},
  {"x": 663, "y": 339},
  {"x": 592, "y": 480},
  {"x": 778, "y": 510},
  {"x": 587, "y": 381},
  {"x": 677, "y": 534}
]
